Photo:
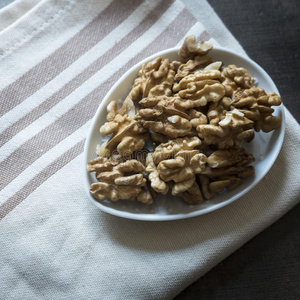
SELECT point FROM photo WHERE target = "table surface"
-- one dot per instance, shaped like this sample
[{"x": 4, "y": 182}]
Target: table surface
[{"x": 267, "y": 267}]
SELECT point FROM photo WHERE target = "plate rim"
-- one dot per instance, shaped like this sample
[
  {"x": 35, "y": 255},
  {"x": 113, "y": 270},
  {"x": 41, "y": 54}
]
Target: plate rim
[{"x": 172, "y": 217}]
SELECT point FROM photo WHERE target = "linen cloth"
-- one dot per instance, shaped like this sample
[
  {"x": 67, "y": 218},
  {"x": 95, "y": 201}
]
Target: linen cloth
[{"x": 57, "y": 61}]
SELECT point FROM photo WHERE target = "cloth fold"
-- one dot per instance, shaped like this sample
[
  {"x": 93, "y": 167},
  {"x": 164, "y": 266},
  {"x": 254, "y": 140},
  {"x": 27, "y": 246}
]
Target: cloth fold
[{"x": 57, "y": 60}]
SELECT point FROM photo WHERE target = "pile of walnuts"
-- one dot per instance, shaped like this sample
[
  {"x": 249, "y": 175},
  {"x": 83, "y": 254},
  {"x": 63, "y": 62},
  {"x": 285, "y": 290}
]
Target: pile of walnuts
[{"x": 196, "y": 113}]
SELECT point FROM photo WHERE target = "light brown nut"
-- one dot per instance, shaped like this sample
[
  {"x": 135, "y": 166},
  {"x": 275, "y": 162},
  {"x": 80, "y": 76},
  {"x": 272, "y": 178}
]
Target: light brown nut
[
  {"x": 145, "y": 196},
  {"x": 240, "y": 171},
  {"x": 191, "y": 48},
  {"x": 233, "y": 77},
  {"x": 218, "y": 110},
  {"x": 203, "y": 92},
  {"x": 103, "y": 164},
  {"x": 155, "y": 78},
  {"x": 171, "y": 148},
  {"x": 256, "y": 104},
  {"x": 197, "y": 118},
  {"x": 211, "y": 187},
  {"x": 127, "y": 108},
  {"x": 228, "y": 157},
  {"x": 196, "y": 77},
  {"x": 103, "y": 191},
  {"x": 114, "y": 167},
  {"x": 120, "y": 179},
  {"x": 215, "y": 180},
  {"x": 127, "y": 135},
  {"x": 158, "y": 138},
  {"x": 167, "y": 106},
  {"x": 165, "y": 115},
  {"x": 175, "y": 65},
  {"x": 173, "y": 127},
  {"x": 230, "y": 132},
  {"x": 193, "y": 65},
  {"x": 175, "y": 166},
  {"x": 193, "y": 195},
  {"x": 201, "y": 87},
  {"x": 182, "y": 169},
  {"x": 157, "y": 183}
]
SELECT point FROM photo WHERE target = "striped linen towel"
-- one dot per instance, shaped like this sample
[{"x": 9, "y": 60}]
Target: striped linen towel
[{"x": 57, "y": 61}]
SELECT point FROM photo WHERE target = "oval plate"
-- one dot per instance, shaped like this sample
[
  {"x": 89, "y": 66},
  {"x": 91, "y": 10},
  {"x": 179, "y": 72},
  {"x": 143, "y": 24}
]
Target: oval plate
[{"x": 265, "y": 147}]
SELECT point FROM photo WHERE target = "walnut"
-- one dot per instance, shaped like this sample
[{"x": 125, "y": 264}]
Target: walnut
[
  {"x": 229, "y": 132},
  {"x": 195, "y": 77},
  {"x": 157, "y": 183},
  {"x": 190, "y": 48},
  {"x": 179, "y": 172},
  {"x": 158, "y": 138},
  {"x": 193, "y": 65},
  {"x": 256, "y": 104},
  {"x": 120, "y": 179},
  {"x": 197, "y": 117},
  {"x": 228, "y": 157},
  {"x": 168, "y": 105},
  {"x": 155, "y": 78},
  {"x": 173, "y": 126},
  {"x": 241, "y": 171},
  {"x": 127, "y": 135},
  {"x": 182, "y": 169},
  {"x": 103, "y": 164},
  {"x": 175, "y": 65},
  {"x": 127, "y": 108},
  {"x": 200, "y": 87},
  {"x": 225, "y": 169},
  {"x": 218, "y": 110},
  {"x": 164, "y": 115},
  {"x": 193, "y": 195},
  {"x": 176, "y": 162},
  {"x": 210, "y": 188},
  {"x": 211, "y": 185},
  {"x": 171, "y": 148},
  {"x": 233, "y": 77}
]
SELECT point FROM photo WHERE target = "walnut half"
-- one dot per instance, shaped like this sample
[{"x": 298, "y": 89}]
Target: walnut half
[{"x": 119, "y": 179}]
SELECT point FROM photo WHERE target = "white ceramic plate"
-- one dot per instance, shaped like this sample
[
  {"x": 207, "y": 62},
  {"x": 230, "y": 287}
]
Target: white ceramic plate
[{"x": 265, "y": 147}]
